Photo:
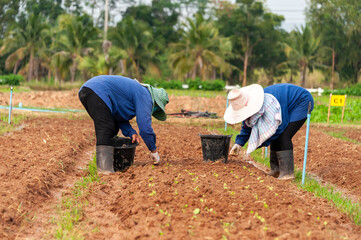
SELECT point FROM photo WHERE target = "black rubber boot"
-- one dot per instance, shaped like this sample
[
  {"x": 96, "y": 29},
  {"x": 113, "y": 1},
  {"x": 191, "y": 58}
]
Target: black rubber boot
[
  {"x": 285, "y": 160},
  {"x": 275, "y": 167},
  {"x": 105, "y": 158}
]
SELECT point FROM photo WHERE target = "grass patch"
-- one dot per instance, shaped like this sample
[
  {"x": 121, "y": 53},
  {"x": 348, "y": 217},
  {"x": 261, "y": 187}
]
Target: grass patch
[
  {"x": 52, "y": 86},
  {"x": 196, "y": 93},
  {"x": 70, "y": 210},
  {"x": 345, "y": 205},
  {"x": 16, "y": 120},
  {"x": 340, "y": 135},
  {"x": 6, "y": 88}
]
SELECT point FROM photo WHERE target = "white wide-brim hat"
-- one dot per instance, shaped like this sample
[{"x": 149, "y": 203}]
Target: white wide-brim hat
[{"x": 243, "y": 103}]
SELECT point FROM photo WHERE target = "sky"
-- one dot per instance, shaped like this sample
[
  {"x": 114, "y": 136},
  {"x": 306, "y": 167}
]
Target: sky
[{"x": 292, "y": 10}]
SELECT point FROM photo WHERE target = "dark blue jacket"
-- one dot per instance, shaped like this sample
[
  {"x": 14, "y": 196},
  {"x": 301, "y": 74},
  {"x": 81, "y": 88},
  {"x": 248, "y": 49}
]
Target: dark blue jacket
[
  {"x": 126, "y": 99},
  {"x": 294, "y": 102}
]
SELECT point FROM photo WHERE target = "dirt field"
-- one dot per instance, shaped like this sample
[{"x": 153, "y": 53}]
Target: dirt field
[{"x": 183, "y": 198}]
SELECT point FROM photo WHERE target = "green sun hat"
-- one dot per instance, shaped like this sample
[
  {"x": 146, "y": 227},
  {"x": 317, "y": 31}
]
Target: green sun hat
[{"x": 160, "y": 97}]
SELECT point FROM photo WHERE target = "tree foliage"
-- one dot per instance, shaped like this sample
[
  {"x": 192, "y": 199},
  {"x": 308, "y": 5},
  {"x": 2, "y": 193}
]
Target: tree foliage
[{"x": 198, "y": 39}]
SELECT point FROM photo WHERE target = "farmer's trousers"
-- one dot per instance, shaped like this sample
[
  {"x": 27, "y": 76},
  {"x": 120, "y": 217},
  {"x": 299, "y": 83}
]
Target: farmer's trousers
[
  {"x": 105, "y": 126},
  {"x": 284, "y": 140}
]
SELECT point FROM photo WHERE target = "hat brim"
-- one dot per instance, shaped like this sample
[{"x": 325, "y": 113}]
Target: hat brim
[
  {"x": 157, "y": 93},
  {"x": 255, "y": 101},
  {"x": 160, "y": 115}
]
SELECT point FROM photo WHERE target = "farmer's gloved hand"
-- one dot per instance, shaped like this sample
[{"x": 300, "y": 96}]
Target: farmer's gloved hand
[
  {"x": 235, "y": 150},
  {"x": 154, "y": 156}
]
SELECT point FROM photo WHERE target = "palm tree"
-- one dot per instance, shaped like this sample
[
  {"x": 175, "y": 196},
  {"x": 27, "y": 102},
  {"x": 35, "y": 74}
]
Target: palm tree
[
  {"x": 78, "y": 34},
  {"x": 26, "y": 40},
  {"x": 135, "y": 38},
  {"x": 201, "y": 50},
  {"x": 303, "y": 51},
  {"x": 102, "y": 64}
]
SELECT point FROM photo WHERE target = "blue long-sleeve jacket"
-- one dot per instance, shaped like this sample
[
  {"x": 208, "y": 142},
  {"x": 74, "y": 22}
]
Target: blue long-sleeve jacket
[
  {"x": 294, "y": 101},
  {"x": 126, "y": 99}
]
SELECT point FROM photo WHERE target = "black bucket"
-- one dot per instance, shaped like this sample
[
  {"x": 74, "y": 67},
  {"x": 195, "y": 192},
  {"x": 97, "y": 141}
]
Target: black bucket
[
  {"x": 215, "y": 147},
  {"x": 124, "y": 152}
]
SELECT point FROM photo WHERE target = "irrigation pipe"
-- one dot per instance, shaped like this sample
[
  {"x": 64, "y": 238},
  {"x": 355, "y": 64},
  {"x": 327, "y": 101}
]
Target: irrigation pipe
[
  {"x": 11, "y": 99},
  {"x": 41, "y": 110},
  {"x": 306, "y": 143}
]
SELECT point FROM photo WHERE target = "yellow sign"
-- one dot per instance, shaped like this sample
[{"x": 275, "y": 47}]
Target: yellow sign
[{"x": 338, "y": 100}]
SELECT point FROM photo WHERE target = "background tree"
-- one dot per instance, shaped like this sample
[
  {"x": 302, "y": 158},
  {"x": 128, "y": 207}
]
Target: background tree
[
  {"x": 243, "y": 24},
  {"x": 303, "y": 51},
  {"x": 200, "y": 51},
  {"x": 327, "y": 26},
  {"x": 24, "y": 41},
  {"x": 338, "y": 24},
  {"x": 135, "y": 38},
  {"x": 50, "y": 9},
  {"x": 162, "y": 18},
  {"x": 77, "y": 34},
  {"x": 269, "y": 54}
]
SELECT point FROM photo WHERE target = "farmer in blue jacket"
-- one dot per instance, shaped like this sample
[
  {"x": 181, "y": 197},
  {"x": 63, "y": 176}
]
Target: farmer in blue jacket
[
  {"x": 270, "y": 116},
  {"x": 111, "y": 101}
]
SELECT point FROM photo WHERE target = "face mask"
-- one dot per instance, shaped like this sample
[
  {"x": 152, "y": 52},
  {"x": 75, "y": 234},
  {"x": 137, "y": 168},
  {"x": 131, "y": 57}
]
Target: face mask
[{"x": 156, "y": 108}]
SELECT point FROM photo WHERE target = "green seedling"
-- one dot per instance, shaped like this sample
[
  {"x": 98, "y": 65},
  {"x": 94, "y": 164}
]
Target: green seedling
[
  {"x": 152, "y": 193},
  {"x": 184, "y": 208},
  {"x": 255, "y": 196},
  {"x": 225, "y": 186},
  {"x": 196, "y": 211},
  {"x": 215, "y": 174},
  {"x": 227, "y": 226},
  {"x": 165, "y": 212},
  {"x": 259, "y": 217},
  {"x": 209, "y": 210}
]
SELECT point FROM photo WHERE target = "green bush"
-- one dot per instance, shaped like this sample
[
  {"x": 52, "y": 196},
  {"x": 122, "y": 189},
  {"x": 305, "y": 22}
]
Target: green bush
[
  {"x": 355, "y": 90},
  {"x": 214, "y": 85},
  {"x": 172, "y": 84},
  {"x": 11, "y": 79},
  {"x": 193, "y": 84},
  {"x": 151, "y": 81}
]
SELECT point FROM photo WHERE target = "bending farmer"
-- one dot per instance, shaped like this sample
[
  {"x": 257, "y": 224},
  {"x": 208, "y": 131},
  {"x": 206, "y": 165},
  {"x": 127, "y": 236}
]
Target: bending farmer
[
  {"x": 111, "y": 101},
  {"x": 270, "y": 116}
]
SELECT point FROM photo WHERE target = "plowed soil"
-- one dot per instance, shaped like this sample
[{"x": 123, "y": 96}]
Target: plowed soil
[{"x": 182, "y": 198}]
